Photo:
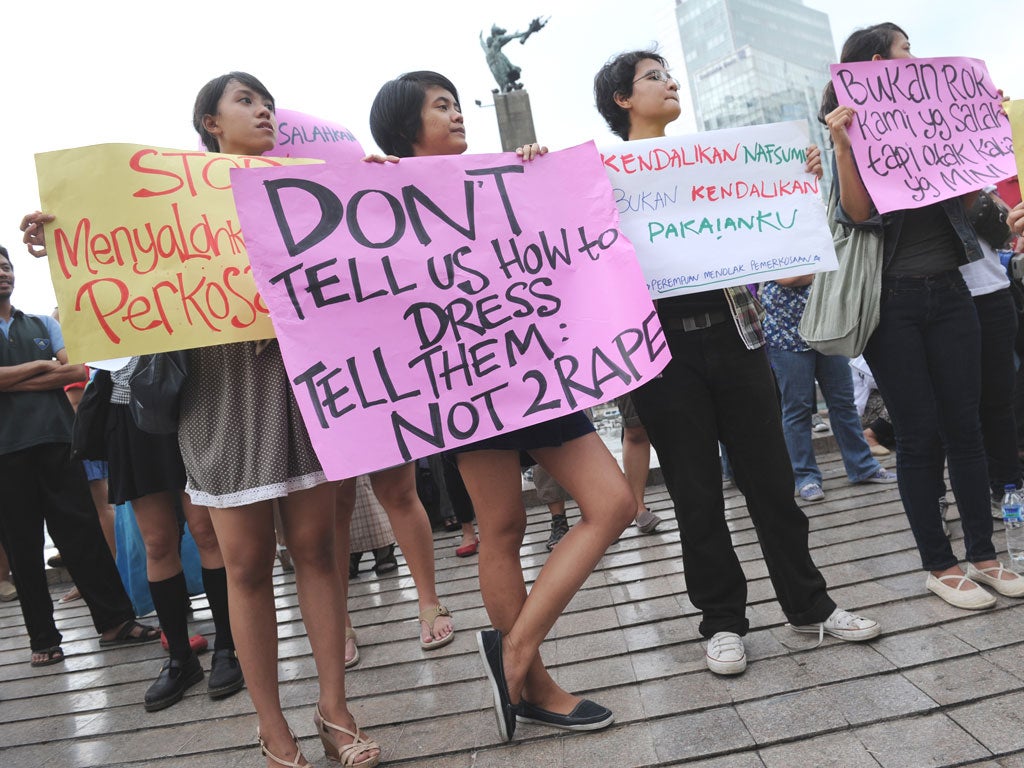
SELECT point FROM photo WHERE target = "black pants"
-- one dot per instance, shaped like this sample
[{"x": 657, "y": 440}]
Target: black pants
[
  {"x": 714, "y": 389},
  {"x": 42, "y": 483},
  {"x": 997, "y": 317},
  {"x": 925, "y": 356},
  {"x": 462, "y": 505}
]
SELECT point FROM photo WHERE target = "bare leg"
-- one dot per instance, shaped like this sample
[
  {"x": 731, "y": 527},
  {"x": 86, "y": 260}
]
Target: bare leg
[
  {"x": 344, "y": 506},
  {"x": 201, "y": 528},
  {"x": 159, "y": 528},
  {"x": 309, "y": 521},
  {"x": 636, "y": 460},
  {"x": 5, "y": 565},
  {"x": 395, "y": 489},
  {"x": 468, "y": 535},
  {"x": 246, "y": 536},
  {"x": 106, "y": 512},
  {"x": 586, "y": 469}
]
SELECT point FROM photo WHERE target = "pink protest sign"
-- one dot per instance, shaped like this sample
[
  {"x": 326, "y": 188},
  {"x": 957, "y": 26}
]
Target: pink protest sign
[
  {"x": 442, "y": 300},
  {"x": 302, "y": 135},
  {"x": 925, "y": 129}
]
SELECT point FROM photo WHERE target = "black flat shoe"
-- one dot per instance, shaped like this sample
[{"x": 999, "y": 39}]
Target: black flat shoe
[
  {"x": 384, "y": 560},
  {"x": 586, "y": 716},
  {"x": 225, "y": 674},
  {"x": 174, "y": 679},
  {"x": 489, "y": 643}
]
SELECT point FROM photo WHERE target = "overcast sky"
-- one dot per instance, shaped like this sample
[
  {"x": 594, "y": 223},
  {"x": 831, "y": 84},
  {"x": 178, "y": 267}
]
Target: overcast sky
[{"x": 111, "y": 71}]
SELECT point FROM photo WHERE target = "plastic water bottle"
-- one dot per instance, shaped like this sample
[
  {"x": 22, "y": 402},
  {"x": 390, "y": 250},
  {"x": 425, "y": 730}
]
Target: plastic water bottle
[{"x": 1013, "y": 522}]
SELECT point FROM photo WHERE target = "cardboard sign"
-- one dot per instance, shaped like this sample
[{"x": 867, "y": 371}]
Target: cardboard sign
[
  {"x": 1015, "y": 111},
  {"x": 721, "y": 208},
  {"x": 925, "y": 130},
  {"x": 302, "y": 135},
  {"x": 146, "y": 253},
  {"x": 438, "y": 301}
]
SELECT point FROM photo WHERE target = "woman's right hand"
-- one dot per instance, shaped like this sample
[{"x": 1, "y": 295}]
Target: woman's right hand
[
  {"x": 380, "y": 159},
  {"x": 837, "y": 121},
  {"x": 1015, "y": 218},
  {"x": 34, "y": 237}
]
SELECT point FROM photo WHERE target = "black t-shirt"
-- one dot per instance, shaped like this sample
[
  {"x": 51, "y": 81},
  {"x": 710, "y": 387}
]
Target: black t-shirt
[{"x": 927, "y": 243}]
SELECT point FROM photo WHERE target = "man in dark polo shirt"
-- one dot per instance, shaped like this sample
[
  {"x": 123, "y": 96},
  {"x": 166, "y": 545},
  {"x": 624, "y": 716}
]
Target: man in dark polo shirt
[
  {"x": 38, "y": 481},
  {"x": 719, "y": 387}
]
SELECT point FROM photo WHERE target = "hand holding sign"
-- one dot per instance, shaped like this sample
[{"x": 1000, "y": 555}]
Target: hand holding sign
[
  {"x": 442, "y": 300},
  {"x": 150, "y": 258},
  {"x": 922, "y": 130}
]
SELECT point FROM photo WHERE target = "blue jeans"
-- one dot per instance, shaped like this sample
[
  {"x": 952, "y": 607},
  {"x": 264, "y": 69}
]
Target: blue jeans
[
  {"x": 925, "y": 358},
  {"x": 795, "y": 373}
]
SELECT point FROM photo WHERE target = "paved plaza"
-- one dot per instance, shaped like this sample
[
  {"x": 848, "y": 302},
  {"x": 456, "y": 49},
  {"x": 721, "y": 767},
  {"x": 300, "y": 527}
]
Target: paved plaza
[{"x": 940, "y": 687}]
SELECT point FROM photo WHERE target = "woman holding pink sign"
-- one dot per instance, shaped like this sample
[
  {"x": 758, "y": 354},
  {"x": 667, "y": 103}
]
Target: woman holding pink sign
[
  {"x": 925, "y": 355},
  {"x": 418, "y": 115},
  {"x": 244, "y": 444}
]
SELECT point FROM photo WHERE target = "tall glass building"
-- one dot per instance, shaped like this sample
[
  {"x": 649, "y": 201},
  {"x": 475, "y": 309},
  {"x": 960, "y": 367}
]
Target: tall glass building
[{"x": 755, "y": 61}]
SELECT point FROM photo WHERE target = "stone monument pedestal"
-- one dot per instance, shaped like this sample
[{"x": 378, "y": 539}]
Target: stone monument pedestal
[{"x": 515, "y": 119}]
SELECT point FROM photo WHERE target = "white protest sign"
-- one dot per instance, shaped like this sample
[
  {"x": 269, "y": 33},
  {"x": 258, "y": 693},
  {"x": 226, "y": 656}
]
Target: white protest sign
[{"x": 721, "y": 208}]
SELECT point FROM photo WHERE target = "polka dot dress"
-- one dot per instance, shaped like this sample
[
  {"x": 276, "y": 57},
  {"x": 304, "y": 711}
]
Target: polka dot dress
[{"x": 241, "y": 434}]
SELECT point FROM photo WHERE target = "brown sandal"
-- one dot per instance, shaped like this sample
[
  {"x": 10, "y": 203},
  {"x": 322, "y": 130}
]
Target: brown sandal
[
  {"x": 286, "y": 763},
  {"x": 345, "y": 754},
  {"x": 429, "y": 617},
  {"x": 54, "y": 655}
]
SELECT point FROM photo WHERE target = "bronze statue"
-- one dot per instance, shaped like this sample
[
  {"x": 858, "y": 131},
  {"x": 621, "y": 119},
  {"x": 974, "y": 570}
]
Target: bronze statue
[{"x": 504, "y": 72}]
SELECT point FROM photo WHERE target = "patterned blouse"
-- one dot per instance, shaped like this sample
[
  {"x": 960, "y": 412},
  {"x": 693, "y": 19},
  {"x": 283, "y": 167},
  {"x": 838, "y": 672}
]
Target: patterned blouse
[{"x": 784, "y": 307}]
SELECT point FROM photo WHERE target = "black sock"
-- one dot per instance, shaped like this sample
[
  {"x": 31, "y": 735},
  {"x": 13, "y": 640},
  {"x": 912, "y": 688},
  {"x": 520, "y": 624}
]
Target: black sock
[
  {"x": 215, "y": 581},
  {"x": 169, "y": 598}
]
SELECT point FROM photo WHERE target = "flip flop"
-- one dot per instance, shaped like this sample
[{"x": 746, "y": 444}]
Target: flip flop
[
  {"x": 429, "y": 616},
  {"x": 350, "y": 634},
  {"x": 124, "y": 635},
  {"x": 54, "y": 655}
]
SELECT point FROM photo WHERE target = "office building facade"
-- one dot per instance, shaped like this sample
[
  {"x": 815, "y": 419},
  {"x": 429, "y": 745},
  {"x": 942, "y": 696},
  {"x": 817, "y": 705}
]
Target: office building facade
[{"x": 750, "y": 62}]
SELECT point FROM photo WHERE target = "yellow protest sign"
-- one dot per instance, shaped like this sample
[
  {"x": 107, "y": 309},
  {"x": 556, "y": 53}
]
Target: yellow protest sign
[
  {"x": 1015, "y": 110},
  {"x": 146, "y": 253}
]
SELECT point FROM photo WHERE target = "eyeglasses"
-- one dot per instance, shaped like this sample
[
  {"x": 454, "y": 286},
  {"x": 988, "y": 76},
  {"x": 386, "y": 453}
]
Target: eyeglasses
[{"x": 658, "y": 76}]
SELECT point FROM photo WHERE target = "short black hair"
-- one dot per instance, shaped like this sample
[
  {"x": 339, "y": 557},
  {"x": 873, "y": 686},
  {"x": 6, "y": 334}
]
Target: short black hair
[
  {"x": 6, "y": 255},
  {"x": 615, "y": 78},
  {"x": 861, "y": 45},
  {"x": 209, "y": 97},
  {"x": 395, "y": 117}
]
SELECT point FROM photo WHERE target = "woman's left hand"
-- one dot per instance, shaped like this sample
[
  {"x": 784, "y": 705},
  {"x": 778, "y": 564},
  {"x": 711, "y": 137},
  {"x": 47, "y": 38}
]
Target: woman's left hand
[
  {"x": 530, "y": 151},
  {"x": 813, "y": 164}
]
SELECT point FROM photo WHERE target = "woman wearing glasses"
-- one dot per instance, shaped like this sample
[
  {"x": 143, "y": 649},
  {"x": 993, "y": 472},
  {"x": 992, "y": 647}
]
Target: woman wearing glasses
[{"x": 418, "y": 115}]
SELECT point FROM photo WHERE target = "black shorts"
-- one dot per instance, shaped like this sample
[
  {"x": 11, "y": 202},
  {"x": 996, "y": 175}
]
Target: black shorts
[{"x": 546, "y": 434}]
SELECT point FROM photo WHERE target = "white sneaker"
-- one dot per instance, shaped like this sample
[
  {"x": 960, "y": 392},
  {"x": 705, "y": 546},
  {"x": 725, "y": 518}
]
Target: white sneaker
[
  {"x": 725, "y": 654},
  {"x": 843, "y": 625}
]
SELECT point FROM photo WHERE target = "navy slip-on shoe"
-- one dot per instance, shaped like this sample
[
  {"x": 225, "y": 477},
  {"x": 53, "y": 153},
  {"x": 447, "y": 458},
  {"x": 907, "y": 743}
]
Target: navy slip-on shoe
[
  {"x": 489, "y": 643},
  {"x": 586, "y": 716}
]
